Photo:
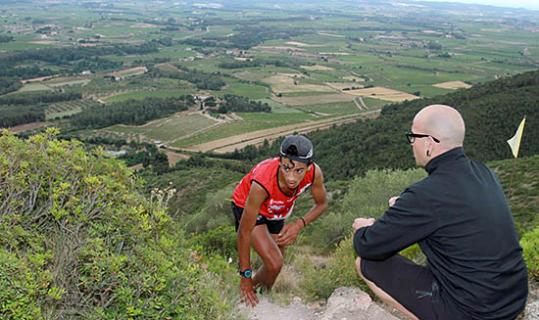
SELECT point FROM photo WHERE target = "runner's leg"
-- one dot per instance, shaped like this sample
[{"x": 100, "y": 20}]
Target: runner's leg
[{"x": 272, "y": 256}]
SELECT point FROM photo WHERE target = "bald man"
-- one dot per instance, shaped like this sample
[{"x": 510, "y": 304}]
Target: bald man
[{"x": 460, "y": 218}]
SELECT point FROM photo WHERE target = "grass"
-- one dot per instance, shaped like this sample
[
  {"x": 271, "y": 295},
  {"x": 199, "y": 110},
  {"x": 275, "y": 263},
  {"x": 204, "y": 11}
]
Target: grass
[
  {"x": 490, "y": 48},
  {"x": 69, "y": 83},
  {"x": 276, "y": 107},
  {"x": 374, "y": 103},
  {"x": 34, "y": 87},
  {"x": 250, "y": 91}
]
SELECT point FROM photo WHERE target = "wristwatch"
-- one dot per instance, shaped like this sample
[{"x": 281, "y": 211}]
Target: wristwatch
[{"x": 247, "y": 273}]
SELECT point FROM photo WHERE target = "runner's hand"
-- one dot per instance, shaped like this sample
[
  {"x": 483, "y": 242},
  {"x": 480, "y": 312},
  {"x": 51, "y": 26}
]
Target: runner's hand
[
  {"x": 247, "y": 292},
  {"x": 289, "y": 234}
]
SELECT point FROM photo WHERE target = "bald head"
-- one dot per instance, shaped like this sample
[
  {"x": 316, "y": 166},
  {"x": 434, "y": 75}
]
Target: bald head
[{"x": 442, "y": 122}]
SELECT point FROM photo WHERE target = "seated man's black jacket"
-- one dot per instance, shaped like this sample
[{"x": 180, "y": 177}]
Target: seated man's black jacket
[{"x": 461, "y": 220}]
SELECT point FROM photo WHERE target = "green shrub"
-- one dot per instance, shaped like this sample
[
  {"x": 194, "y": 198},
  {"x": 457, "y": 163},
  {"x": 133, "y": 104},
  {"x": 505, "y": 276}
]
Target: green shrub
[
  {"x": 20, "y": 285},
  {"x": 366, "y": 197},
  {"x": 530, "y": 246},
  {"x": 220, "y": 241},
  {"x": 80, "y": 241},
  {"x": 202, "y": 201},
  {"x": 319, "y": 282},
  {"x": 214, "y": 212}
]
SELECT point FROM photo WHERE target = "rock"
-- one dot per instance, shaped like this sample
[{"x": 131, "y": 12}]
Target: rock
[
  {"x": 353, "y": 304},
  {"x": 344, "y": 304},
  {"x": 347, "y": 304},
  {"x": 532, "y": 311},
  {"x": 266, "y": 310}
]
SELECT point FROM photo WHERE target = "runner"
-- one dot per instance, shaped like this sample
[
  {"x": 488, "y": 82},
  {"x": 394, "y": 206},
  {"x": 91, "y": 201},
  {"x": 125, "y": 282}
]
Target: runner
[{"x": 263, "y": 200}]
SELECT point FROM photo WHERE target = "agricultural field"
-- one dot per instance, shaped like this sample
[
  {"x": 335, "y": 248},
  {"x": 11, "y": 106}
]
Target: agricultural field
[
  {"x": 229, "y": 144},
  {"x": 310, "y": 62},
  {"x": 65, "y": 109},
  {"x": 385, "y": 94},
  {"x": 168, "y": 130}
]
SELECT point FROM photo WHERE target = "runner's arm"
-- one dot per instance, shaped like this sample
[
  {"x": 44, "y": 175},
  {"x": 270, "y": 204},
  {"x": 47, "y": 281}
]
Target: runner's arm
[{"x": 318, "y": 192}]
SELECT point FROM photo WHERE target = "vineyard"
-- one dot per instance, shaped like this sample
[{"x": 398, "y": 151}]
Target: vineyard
[{"x": 64, "y": 109}]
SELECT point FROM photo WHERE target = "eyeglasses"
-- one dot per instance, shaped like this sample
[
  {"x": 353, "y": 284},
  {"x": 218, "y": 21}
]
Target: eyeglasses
[{"x": 410, "y": 136}]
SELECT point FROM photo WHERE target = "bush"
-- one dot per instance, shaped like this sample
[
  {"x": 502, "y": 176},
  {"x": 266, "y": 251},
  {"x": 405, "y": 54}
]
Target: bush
[
  {"x": 215, "y": 212},
  {"x": 320, "y": 282},
  {"x": 219, "y": 241},
  {"x": 20, "y": 285},
  {"x": 366, "y": 197},
  {"x": 530, "y": 246},
  {"x": 79, "y": 240}
]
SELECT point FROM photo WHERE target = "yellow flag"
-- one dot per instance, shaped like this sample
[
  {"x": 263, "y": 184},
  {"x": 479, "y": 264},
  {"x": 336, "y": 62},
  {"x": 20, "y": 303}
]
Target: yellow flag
[{"x": 514, "y": 142}]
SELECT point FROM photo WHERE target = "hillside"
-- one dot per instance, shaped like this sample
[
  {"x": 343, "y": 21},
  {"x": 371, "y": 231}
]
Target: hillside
[
  {"x": 80, "y": 240},
  {"x": 520, "y": 180}
]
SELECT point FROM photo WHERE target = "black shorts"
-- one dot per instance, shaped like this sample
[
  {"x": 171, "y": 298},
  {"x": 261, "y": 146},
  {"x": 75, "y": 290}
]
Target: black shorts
[
  {"x": 274, "y": 226},
  {"x": 413, "y": 286}
]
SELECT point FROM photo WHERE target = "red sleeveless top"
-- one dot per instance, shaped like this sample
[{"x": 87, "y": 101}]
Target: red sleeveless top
[{"x": 277, "y": 206}]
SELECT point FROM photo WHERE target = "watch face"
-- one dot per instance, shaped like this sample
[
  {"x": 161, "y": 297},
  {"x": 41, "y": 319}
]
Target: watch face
[{"x": 247, "y": 273}]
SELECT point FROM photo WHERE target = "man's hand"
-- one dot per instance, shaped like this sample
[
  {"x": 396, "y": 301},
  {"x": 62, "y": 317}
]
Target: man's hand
[
  {"x": 392, "y": 201},
  {"x": 362, "y": 222},
  {"x": 247, "y": 292},
  {"x": 289, "y": 233}
]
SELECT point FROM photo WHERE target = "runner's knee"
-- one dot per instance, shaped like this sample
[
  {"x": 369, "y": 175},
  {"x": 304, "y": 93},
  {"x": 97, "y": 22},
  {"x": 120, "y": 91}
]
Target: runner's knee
[{"x": 274, "y": 264}]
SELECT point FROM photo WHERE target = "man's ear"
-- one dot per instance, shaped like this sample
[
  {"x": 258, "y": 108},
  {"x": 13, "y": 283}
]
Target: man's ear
[{"x": 428, "y": 143}]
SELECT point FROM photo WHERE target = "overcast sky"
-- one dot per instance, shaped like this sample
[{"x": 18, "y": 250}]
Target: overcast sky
[{"x": 528, "y": 4}]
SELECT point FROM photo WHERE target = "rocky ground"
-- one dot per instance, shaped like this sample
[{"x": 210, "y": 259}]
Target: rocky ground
[
  {"x": 350, "y": 304},
  {"x": 344, "y": 303},
  {"x": 532, "y": 307}
]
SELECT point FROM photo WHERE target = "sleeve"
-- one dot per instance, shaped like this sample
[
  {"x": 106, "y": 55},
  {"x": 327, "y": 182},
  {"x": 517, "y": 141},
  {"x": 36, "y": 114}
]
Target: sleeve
[{"x": 408, "y": 221}]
